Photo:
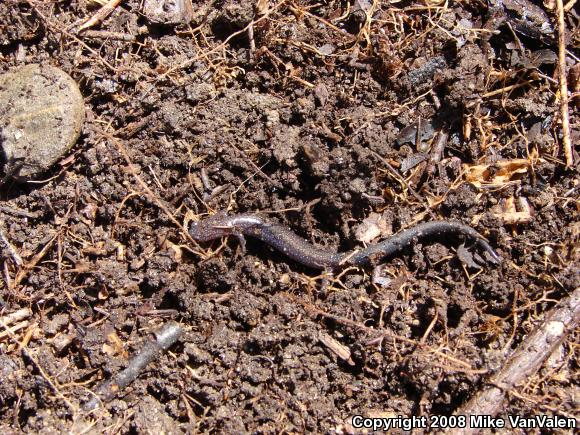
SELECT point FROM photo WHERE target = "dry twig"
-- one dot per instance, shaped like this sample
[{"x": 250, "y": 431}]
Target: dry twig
[
  {"x": 526, "y": 360},
  {"x": 18, "y": 212},
  {"x": 164, "y": 339},
  {"x": 6, "y": 248},
  {"x": 16, "y": 316},
  {"x": 15, "y": 322},
  {"x": 26, "y": 268},
  {"x": 101, "y": 14},
  {"x": 566, "y": 142},
  {"x": 103, "y": 34}
]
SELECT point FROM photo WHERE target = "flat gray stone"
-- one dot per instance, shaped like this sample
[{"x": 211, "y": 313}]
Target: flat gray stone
[
  {"x": 168, "y": 11},
  {"x": 41, "y": 116}
]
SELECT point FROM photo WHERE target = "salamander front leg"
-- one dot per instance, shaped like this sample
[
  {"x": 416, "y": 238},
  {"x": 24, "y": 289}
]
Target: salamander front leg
[
  {"x": 241, "y": 239},
  {"x": 325, "y": 279}
]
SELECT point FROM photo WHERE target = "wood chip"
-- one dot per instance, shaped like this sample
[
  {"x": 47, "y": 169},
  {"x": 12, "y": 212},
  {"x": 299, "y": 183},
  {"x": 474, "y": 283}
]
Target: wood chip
[{"x": 335, "y": 347}]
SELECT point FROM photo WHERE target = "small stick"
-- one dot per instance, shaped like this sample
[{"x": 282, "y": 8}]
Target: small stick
[
  {"x": 164, "y": 339},
  {"x": 101, "y": 14},
  {"x": 16, "y": 316},
  {"x": 252, "y": 40},
  {"x": 337, "y": 348},
  {"x": 22, "y": 273},
  {"x": 256, "y": 167},
  {"x": 205, "y": 180},
  {"x": 436, "y": 152},
  {"x": 13, "y": 329},
  {"x": 567, "y": 144},
  {"x": 103, "y": 34},
  {"x": 5, "y": 245},
  {"x": 525, "y": 361},
  {"x": 569, "y": 5},
  {"x": 506, "y": 89},
  {"x": 18, "y": 212}
]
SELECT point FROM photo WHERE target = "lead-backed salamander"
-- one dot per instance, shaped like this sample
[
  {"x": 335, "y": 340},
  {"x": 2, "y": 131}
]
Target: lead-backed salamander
[{"x": 284, "y": 240}]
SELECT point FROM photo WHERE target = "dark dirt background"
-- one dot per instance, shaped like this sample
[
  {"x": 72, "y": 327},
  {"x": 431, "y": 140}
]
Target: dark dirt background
[{"x": 314, "y": 124}]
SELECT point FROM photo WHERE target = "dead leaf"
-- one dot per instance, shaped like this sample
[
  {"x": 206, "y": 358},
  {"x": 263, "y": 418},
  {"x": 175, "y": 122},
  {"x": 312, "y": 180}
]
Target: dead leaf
[
  {"x": 262, "y": 7},
  {"x": 496, "y": 174},
  {"x": 115, "y": 347},
  {"x": 374, "y": 226},
  {"x": 513, "y": 211}
]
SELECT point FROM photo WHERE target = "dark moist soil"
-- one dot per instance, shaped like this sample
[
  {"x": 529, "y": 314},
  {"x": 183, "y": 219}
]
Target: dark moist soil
[{"x": 317, "y": 124}]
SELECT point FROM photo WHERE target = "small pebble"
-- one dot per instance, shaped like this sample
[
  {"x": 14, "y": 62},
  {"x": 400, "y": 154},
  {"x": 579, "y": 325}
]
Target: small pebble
[
  {"x": 168, "y": 11},
  {"x": 41, "y": 117}
]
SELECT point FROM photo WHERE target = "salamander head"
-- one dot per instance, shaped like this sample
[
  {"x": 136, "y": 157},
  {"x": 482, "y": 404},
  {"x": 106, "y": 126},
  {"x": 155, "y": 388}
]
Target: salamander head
[{"x": 213, "y": 227}]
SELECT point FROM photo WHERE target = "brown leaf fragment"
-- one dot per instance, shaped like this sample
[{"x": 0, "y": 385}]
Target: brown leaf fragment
[
  {"x": 321, "y": 94},
  {"x": 513, "y": 211},
  {"x": 335, "y": 347},
  {"x": 375, "y": 225},
  {"x": 262, "y": 7},
  {"x": 116, "y": 346},
  {"x": 413, "y": 161},
  {"x": 496, "y": 174}
]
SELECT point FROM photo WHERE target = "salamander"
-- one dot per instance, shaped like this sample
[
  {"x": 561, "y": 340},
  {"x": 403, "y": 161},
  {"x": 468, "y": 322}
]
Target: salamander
[{"x": 295, "y": 247}]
